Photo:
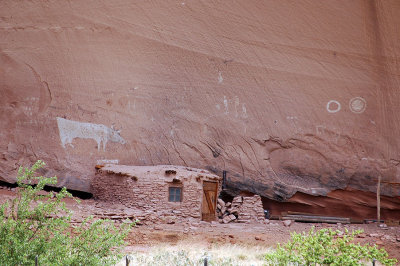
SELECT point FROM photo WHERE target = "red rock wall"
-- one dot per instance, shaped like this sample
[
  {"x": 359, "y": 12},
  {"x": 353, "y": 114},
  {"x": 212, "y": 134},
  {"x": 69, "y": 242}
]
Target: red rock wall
[
  {"x": 287, "y": 96},
  {"x": 355, "y": 204}
]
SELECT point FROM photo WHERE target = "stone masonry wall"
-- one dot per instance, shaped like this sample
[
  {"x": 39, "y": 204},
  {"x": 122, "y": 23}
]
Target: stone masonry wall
[
  {"x": 150, "y": 195},
  {"x": 242, "y": 209},
  {"x": 251, "y": 209}
]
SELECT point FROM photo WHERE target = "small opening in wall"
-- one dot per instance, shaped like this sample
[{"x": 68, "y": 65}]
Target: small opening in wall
[{"x": 170, "y": 172}]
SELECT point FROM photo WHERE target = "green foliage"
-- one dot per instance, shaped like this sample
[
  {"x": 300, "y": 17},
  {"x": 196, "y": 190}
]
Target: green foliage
[
  {"x": 37, "y": 223},
  {"x": 326, "y": 247}
]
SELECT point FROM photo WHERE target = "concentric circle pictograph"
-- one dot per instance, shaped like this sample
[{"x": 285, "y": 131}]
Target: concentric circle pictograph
[
  {"x": 358, "y": 105},
  {"x": 333, "y": 106}
]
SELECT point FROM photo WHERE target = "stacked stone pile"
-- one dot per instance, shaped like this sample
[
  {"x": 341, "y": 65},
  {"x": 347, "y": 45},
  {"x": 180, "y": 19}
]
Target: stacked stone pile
[
  {"x": 241, "y": 209},
  {"x": 227, "y": 212}
]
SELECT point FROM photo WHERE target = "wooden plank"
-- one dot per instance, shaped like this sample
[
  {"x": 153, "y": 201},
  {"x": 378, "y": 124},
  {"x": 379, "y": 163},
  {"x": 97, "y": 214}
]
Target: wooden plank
[
  {"x": 320, "y": 219},
  {"x": 378, "y": 200},
  {"x": 208, "y": 217},
  {"x": 209, "y": 201},
  {"x": 313, "y": 216},
  {"x": 209, "y": 185},
  {"x": 302, "y": 213},
  {"x": 368, "y": 221},
  {"x": 316, "y": 220},
  {"x": 204, "y": 206},
  {"x": 274, "y": 217},
  {"x": 356, "y": 221}
]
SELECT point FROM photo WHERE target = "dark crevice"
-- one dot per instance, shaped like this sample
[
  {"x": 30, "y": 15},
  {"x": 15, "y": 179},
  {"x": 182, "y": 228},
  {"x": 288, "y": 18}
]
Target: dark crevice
[
  {"x": 76, "y": 193},
  {"x": 8, "y": 185},
  {"x": 225, "y": 196}
]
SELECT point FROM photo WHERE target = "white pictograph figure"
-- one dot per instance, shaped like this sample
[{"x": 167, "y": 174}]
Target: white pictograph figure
[{"x": 358, "y": 105}]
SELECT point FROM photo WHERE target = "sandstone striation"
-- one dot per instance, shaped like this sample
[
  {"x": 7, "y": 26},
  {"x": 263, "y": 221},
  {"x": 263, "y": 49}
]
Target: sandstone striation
[{"x": 286, "y": 96}]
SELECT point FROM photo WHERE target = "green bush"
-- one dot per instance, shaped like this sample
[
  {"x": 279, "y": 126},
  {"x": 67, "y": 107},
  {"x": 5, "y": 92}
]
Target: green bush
[
  {"x": 37, "y": 223},
  {"x": 326, "y": 247}
]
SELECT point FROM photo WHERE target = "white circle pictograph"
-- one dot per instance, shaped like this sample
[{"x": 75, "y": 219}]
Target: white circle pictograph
[
  {"x": 333, "y": 106},
  {"x": 357, "y": 105}
]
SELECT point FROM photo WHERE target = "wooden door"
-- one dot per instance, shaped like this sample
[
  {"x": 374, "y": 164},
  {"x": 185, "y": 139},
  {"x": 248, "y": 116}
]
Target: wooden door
[{"x": 210, "y": 190}]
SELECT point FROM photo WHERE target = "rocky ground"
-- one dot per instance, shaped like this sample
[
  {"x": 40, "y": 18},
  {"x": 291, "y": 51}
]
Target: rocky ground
[{"x": 145, "y": 236}]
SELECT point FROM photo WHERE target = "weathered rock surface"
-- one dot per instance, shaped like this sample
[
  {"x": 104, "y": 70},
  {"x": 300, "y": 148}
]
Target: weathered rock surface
[{"x": 287, "y": 96}]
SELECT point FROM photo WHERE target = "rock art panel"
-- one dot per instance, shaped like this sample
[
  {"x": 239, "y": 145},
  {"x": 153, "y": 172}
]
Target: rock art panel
[{"x": 270, "y": 91}]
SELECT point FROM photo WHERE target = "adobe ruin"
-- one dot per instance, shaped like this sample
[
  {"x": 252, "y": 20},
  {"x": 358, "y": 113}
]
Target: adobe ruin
[{"x": 160, "y": 194}]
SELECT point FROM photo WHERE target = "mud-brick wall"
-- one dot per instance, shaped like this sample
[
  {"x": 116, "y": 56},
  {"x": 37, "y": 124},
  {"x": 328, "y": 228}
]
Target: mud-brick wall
[{"x": 150, "y": 195}]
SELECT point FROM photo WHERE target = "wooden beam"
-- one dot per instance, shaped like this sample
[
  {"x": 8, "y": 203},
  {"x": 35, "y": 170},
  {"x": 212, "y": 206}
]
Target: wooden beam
[{"x": 378, "y": 200}]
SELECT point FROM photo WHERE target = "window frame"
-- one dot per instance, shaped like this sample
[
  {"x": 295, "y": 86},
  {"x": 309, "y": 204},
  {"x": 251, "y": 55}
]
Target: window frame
[{"x": 175, "y": 188}]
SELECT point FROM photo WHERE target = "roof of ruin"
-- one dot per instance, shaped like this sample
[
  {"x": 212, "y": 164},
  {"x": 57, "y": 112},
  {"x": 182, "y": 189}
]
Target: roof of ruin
[{"x": 167, "y": 172}]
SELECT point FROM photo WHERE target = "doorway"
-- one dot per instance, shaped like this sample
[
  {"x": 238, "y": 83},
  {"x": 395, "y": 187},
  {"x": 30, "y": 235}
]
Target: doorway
[{"x": 210, "y": 190}]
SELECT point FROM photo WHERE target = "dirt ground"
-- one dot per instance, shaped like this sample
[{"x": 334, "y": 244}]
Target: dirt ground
[
  {"x": 268, "y": 235},
  {"x": 145, "y": 236}
]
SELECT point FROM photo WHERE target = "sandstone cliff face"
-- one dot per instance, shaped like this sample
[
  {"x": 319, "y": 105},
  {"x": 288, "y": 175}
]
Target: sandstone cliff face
[{"x": 287, "y": 96}]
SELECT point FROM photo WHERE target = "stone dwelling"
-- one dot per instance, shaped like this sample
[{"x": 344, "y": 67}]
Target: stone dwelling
[{"x": 162, "y": 193}]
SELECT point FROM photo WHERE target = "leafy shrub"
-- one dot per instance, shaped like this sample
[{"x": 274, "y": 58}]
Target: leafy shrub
[
  {"x": 37, "y": 223},
  {"x": 326, "y": 247}
]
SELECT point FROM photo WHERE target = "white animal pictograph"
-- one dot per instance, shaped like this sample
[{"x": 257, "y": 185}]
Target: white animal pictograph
[{"x": 69, "y": 130}]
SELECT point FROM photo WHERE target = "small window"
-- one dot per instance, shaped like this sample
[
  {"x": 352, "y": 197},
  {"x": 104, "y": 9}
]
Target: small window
[{"x": 175, "y": 194}]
